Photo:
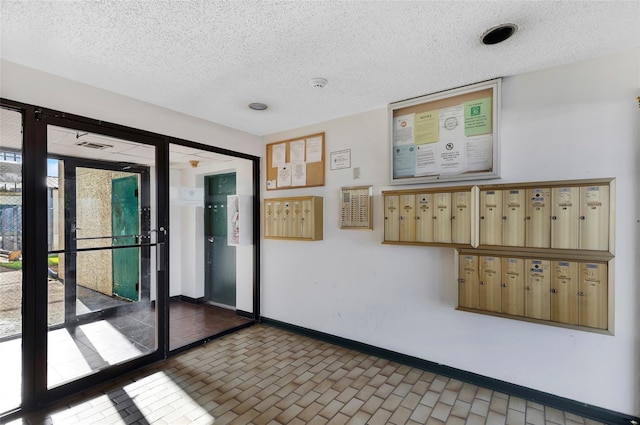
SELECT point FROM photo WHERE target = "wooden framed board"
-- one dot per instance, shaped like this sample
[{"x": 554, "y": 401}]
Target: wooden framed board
[
  {"x": 296, "y": 163},
  {"x": 448, "y": 136}
]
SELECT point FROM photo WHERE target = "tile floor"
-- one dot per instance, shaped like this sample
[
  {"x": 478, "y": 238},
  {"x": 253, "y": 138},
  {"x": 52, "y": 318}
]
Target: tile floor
[{"x": 263, "y": 375}]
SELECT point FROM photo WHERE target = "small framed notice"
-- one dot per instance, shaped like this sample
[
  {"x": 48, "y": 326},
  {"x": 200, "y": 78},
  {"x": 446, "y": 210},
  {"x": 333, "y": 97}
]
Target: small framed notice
[
  {"x": 356, "y": 208},
  {"x": 340, "y": 159}
]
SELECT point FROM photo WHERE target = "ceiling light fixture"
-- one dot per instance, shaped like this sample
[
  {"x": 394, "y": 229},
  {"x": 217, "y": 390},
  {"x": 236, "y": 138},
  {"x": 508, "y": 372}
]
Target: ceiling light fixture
[
  {"x": 498, "y": 34},
  {"x": 256, "y": 106},
  {"x": 318, "y": 83}
]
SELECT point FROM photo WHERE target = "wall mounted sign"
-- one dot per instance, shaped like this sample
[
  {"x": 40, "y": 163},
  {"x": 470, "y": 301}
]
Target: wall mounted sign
[{"x": 447, "y": 136}]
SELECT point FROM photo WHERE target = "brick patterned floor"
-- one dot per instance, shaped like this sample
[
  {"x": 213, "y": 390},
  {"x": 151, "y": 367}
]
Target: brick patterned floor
[{"x": 263, "y": 375}]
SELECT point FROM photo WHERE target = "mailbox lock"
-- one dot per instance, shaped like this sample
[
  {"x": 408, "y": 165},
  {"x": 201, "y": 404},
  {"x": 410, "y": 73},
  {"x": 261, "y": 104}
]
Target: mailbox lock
[
  {"x": 583, "y": 217},
  {"x": 504, "y": 285},
  {"x": 581, "y": 293},
  {"x": 554, "y": 290},
  {"x": 482, "y": 282}
]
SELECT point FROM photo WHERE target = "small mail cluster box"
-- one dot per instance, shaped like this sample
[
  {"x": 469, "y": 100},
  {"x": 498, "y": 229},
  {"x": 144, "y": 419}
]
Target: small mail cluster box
[
  {"x": 297, "y": 218},
  {"x": 554, "y": 290},
  {"x": 558, "y": 215},
  {"x": 431, "y": 217}
]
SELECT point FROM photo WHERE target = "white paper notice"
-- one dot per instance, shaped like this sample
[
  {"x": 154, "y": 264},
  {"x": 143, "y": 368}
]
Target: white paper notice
[
  {"x": 480, "y": 153},
  {"x": 191, "y": 196},
  {"x": 451, "y": 157},
  {"x": 314, "y": 149},
  {"x": 298, "y": 174},
  {"x": 452, "y": 123},
  {"x": 403, "y": 130},
  {"x": 271, "y": 184},
  {"x": 278, "y": 155},
  {"x": 284, "y": 176},
  {"x": 426, "y": 160},
  {"x": 296, "y": 152}
]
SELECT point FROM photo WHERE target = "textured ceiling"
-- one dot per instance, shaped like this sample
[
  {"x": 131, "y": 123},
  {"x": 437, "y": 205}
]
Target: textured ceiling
[{"x": 210, "y": 59}]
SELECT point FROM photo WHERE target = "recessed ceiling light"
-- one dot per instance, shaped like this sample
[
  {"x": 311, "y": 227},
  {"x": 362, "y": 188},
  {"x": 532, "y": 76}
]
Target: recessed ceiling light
[
  {"x": 256, "y": 106},
  {"x": 498, "y": 34}
]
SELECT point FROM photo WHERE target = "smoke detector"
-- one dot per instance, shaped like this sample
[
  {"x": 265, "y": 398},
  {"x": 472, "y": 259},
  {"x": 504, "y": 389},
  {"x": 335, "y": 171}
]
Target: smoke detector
[{"x": 318, "y": 83}]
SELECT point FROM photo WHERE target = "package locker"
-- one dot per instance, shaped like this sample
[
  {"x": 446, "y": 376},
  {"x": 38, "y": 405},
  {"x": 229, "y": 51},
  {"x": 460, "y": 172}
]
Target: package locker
[
  {"x": 564, "y": 292},
  {"x": 491, "y": 217},
  {"x": 391, "y": 218},
  {"x": 513, "y": 214},
  {"x": 538, "y": 218},
  {"x": 513, "y": 286},
  {"x": 424, "y": 217},
  {"x": 407, "y": 225},
  {"x": 592, "y": 295},
  {"x": 461, "y": 217},
  {"x": 564, "y": 217},
  {"x": 537, "y": 289},
  {"x": 468, "y": 283},
  {"x": 442, "y": 217},
  {"x": 490, "y": 284},
  {"x": 594, "y": 218}
]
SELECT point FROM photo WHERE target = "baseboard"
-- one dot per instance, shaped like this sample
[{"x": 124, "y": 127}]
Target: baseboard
[
  {"x": 187, "y": 299},
  {"x": 245, "y": 314},
  {"x": 581, "y": 409}
]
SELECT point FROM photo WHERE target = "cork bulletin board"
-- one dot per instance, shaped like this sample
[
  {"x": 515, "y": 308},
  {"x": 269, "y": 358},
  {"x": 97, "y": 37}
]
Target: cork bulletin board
[
  {"x": 296, "y": 163},
  {"x": 447, "y": 136}
]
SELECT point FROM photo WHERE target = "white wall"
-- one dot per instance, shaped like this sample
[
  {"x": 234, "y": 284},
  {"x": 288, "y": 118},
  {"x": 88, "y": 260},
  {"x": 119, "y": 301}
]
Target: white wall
[
  {"x": 578, "y": 121},
  {"x": 28, "y": 85}
]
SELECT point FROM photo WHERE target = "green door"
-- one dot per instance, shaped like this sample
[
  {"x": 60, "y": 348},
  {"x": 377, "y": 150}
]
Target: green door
[
  {"x": 220, "y": 258},
  {"x": 125, "y": 224}
]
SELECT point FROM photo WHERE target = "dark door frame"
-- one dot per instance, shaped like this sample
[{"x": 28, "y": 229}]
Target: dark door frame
[{"x": 34, "y": 309}]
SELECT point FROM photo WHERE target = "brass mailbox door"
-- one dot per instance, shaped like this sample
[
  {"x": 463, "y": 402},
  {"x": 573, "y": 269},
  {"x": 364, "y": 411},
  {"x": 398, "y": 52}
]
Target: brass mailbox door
[
  {"x": 468, "y": 288},
  {"x": 490, "y": 289},
  {"x": 537, "y": 290},
  {"x": 513, "y": 286},
  {"x": 407, "y": 230},
  {"x": 391, "y": 218},
  {"x": 592, "y": 295},
  {"x": 513, "y": 213},
  {"x": 564, "y": 292},
  {"x": 442, "y": 217},
  {"x": 296, "y": 218},
  {"x": 564, "y": 217},
  {"x": 594, "y": 218},
  {"x": 491, "y": 217},
  {"x": 424, "y": 217},
  {"x": 461, "y": 218},
  {"x": 538, "y": 218}
]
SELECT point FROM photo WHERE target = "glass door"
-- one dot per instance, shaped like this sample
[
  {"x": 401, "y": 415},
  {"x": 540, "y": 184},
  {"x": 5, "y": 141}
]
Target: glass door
[
  {"x": 10, "y": 259},
  {"x": 101, "y": 277},
  {"x": 212, "y": 277}
]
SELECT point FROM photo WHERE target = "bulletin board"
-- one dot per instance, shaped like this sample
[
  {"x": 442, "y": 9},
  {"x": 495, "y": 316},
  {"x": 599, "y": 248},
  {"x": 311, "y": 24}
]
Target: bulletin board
[
  {"x": 296, "y": 163},
  {"x": 447, "y": 136}
]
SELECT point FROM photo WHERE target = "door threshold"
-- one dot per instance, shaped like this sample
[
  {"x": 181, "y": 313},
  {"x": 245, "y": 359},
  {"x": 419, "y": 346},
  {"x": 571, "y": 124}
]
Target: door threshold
[{"x": 228, "y": 307}]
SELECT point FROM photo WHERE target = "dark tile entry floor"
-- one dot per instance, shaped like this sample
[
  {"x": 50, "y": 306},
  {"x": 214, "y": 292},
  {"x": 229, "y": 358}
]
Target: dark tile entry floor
[{"x": 190, "y": 322}]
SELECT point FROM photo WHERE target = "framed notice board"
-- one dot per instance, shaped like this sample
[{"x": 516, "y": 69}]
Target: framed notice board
[
  {"x": 296, "y": 163},
  {"x": 448, "y": 136}
]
